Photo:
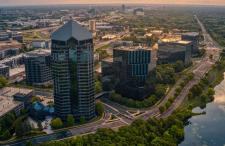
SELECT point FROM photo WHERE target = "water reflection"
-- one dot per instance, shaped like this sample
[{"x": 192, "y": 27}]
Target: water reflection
[
  {"x": 208, "y": 129},
  {"x": 220, "y": 93}
]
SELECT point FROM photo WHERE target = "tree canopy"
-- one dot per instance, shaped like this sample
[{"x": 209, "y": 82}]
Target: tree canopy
[
  {"x": 3, "y": 81},
  {"x": 56, "y": 123},
  {"x": 70, "y": 120}
]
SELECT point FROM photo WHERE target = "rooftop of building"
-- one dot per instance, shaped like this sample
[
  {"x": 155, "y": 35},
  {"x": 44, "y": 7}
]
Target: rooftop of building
[
  {"x": 191, "y": 33},
  {"x": 133, "y": 48},
  {"x": 183, "y": 42},
  {"x": 3, "y": 66},
  {"x": 174, "y": 41},
  {"x": 9, "y": 44},
  {"x": 39, "y": 41},
  {"x": 7, "y": 102},
  {"x": 110, "y": 60},
  {"x": 170, "y": 38},
  {"x": 71, "y": 30},
  {"x": 16, "y": 71},
  {"x": 38, "y": 53},
  {"x": 11, "y": 58},
  {"x": 11, "y": 91}
]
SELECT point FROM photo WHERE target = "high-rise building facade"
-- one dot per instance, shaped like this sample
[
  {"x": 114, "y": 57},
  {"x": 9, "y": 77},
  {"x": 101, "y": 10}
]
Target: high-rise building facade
[
  {"x": 134, "y": 63},
  {"x": 73, "y": 71},
  {"x": 37, "y": 67}
]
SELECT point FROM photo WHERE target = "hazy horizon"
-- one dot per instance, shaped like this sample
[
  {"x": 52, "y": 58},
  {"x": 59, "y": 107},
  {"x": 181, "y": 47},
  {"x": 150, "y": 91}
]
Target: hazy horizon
[{"x": 55, "y": 2}]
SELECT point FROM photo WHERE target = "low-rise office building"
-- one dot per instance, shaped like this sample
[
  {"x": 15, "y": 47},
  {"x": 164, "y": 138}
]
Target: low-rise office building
[
  {"x": 17, "y": 36},
  {"x": 172, "y": 51},
  {"x": 194, "y": 38},
  {"x": 122, "y": 43},
  {"x": 37, "y": 67},
  {"x": 9, "y": 35},
  {"x": 4, "y": 71},
  {"x": 9, "y": 102},
  {"x": 14, "y": 61},
  {"x": 9, "y": 49},
  {"x": 40, "y": 44},
  {"x": 23, "y": 95},
  {"x": 4, "y": 36}
]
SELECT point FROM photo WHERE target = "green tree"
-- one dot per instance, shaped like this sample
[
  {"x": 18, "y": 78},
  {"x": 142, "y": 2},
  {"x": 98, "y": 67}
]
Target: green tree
[
  {"x": 29, "y": 143},
  {"x": 158, "y": 141},
  {"x": 22, "y": 127},
  {"x": 160, "y": 90},
  {"x": 56, "y": 123},
  {"x": 98, "y": 86},
  {"x": 179, "y": 66},
  {"x": 3, "y": 81},
  {"x": 70, "y": 120},
  {"x": 8, "y": 120},
  {"x": 162, "y": 109},
  {"x": 6, "y": 135},
  {"x": 203, "y": 98},
  {"x": 177, "y": 132},
  {"x": 99, "y": 108},
  {"x": 35, "y": 99},
  {"x": 196, "y": 90},
  {"x": 190, "y": 95},
  {"x": 210, "y": 92},
  {"x": 82, "y": 120},
  {"x": 165, "y": 74}
]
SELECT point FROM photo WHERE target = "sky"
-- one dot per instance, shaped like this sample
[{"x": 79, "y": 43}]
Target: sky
[{"x": 46, "y": 2}]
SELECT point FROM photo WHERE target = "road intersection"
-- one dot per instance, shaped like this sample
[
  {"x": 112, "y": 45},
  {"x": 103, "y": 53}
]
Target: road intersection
[{"x": 125, "y": 118}]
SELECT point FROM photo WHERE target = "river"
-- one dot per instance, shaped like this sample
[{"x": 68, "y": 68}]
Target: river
[{"x": 208, "y": 129}]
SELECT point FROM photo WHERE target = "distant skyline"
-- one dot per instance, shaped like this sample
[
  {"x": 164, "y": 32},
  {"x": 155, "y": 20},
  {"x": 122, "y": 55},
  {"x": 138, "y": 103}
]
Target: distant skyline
[{"x": 49, "y": 2}]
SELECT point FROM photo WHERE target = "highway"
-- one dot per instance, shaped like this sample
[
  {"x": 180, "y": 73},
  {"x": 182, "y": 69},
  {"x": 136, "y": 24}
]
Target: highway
[
  {"x": 41, "y": 29},
  {"x": 200, "y": 69},
  {"x": 212, "y": 48}
]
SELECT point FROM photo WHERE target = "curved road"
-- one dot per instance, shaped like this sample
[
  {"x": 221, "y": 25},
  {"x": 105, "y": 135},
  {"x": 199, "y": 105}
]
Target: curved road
[{"x": 201, "y": 69}]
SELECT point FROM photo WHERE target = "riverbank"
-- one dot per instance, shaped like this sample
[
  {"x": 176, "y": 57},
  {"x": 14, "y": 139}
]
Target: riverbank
[
  {"x": 202, "y": 93},
  {"x": 212, "y": 78}
]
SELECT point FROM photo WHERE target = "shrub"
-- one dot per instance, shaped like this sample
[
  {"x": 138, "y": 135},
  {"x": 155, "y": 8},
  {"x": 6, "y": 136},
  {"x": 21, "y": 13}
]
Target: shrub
[{"x": 56, "y": 123}]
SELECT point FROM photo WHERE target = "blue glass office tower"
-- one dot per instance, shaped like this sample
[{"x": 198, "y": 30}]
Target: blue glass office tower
[
  {"x": 134, "y": 64},
  {"x": 37, "y": 67},
  {"x": 73, "y": 71}
]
